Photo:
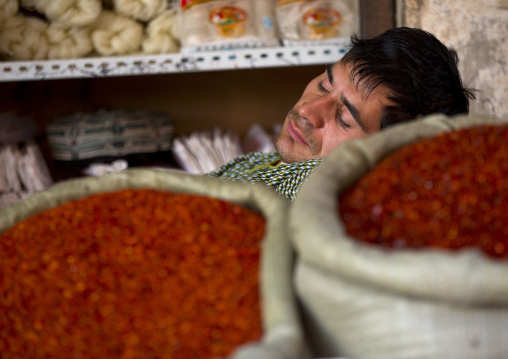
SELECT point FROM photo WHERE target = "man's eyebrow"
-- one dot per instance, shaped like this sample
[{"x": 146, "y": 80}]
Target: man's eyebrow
[
  {"x": 354, "y": 112},
  {"x": 329, "y": 73}
]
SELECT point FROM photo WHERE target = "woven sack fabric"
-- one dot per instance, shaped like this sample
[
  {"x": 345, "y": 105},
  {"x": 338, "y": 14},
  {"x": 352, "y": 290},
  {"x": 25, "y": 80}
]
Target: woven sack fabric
[
  {"x": 282, "y": 330},
  {"x": 363, "y": 302}
]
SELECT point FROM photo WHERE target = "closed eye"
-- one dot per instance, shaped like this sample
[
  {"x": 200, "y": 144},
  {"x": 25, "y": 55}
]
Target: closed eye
[
  {"x": 322, "y": 88},
  {"x": 341, "y": 121}
]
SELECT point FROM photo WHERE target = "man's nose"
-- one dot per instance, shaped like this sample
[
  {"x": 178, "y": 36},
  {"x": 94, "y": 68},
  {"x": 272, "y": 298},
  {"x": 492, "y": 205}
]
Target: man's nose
[{"x": 317, "y": 110}]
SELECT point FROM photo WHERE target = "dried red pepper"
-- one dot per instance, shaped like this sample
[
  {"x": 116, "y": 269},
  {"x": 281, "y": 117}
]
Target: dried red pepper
[
  {"x": 131, "y": 274},
  {"x": 449, "y": 192}
]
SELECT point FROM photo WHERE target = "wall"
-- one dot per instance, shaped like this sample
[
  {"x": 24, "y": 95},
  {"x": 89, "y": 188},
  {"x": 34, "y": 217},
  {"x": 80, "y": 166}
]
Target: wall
[{"x": 478, "y": 31}]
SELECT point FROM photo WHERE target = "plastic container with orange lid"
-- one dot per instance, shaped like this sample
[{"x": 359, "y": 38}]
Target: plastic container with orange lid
[
  {"x": 317, "y": 21},
  {"x": 224, "y": 24}
]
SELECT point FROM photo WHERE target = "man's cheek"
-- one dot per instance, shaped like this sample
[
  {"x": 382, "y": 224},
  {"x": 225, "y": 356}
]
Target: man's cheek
[{"x": 332, "y": 143}]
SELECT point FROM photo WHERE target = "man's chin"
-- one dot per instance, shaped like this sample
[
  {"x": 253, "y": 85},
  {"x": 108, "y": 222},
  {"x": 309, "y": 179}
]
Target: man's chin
[
  {"x": 288, "y": 156},
  {"x": 284, "y": 145}
]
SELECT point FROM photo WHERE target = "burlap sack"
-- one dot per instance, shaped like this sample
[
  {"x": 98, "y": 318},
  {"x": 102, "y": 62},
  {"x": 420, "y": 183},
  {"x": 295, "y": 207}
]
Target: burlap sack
[
  {"x": 282, "y": 337},
  {"x": 363, "y": 302}
]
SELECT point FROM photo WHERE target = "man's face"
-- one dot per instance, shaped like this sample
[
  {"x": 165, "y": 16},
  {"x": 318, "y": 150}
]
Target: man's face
[{"x": 331, "y": 110}]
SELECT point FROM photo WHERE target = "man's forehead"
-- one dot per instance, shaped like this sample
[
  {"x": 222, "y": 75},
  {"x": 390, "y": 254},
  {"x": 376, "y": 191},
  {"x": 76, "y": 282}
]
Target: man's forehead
[
  {"x": 353, "y": 75},
  {"x": 361, "y": 85}
]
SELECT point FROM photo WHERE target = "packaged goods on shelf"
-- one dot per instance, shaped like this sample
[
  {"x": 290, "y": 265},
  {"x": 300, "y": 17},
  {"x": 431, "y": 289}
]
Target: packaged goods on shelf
[
  {"x": 15, "y": 129},
  {"x": 98, "y": 169},
  {"x": 205, "y": 151},
  {"x": 70, "y": 29},
  {"x": 23, "y": 170},
  {"x": 310, "y": 21},
  {"x": 221, "y": 24},
  {"x": 258, "y": 140},
  {"x": 109, "y": 134}
]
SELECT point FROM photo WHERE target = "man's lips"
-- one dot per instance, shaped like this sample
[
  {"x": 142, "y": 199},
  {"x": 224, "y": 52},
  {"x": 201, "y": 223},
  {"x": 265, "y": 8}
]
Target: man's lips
[{"x": 295, "y": 134}]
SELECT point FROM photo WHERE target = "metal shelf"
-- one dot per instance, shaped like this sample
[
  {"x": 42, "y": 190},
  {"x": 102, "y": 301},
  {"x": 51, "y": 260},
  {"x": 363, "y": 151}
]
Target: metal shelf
[{"x": 171, "y": 63}]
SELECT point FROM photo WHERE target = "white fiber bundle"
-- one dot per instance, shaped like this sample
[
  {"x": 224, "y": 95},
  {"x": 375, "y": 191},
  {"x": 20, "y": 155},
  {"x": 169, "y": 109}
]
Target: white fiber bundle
[
  {"x": 23, "y": 171},
  {"x": 32, "y": 169},
  {"x": 73, "y": 12},
  {"x": 143, "y": 10},
  {"x": 37, "y": 5},
  {"x": 24, "y": 38},
  {"x": 8, "y": 8},
  {"x": 27, "y": 4},
  {"x": 162, "y": 34},
  {"x": 171, "y": 16},
  {"x": 115, "y": 34},
  {"x": 68, "y": 42},
  {"x": 108, "y": 4},
  {"x": 9, "y": 174}
]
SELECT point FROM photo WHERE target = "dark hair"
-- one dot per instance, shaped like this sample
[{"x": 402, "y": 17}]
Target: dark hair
[{"x": 419, "y": 71}]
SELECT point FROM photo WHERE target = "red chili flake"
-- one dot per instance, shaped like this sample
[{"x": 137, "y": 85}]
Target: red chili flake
[
  {"x": 131, "y": 274},
  {"x": 448, "y": 192}
]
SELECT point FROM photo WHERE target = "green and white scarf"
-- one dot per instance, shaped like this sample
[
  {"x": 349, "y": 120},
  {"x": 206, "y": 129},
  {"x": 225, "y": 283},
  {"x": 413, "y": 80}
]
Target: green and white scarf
[{"x": 257, "y": 167}]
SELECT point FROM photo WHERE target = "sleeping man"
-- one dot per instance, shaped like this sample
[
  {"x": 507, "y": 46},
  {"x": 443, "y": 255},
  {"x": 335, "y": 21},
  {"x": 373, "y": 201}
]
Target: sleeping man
[{"x": 392, "y": 78}]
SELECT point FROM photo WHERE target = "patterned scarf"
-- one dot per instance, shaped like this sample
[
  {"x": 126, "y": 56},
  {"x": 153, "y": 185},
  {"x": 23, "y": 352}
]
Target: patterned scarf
[{"x": 257, "y": 167}]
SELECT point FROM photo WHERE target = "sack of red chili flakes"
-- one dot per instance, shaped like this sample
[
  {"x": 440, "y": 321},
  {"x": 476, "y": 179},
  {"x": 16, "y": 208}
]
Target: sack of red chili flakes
[
  {"x": 402, "y": 245},
  {"x": 148, "y": 263}
]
